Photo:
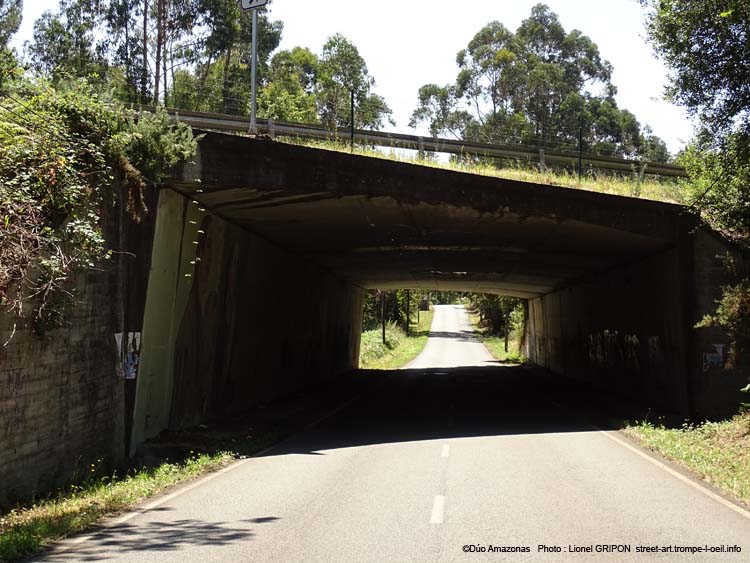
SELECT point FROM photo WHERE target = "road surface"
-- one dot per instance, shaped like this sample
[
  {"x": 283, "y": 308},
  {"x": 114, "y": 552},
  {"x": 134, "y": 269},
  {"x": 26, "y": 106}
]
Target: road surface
[{"x": 427, "y": 463}]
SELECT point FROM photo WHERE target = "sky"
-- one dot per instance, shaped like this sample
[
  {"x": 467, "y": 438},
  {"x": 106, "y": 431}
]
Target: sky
[{"x": 409, "y": 43}]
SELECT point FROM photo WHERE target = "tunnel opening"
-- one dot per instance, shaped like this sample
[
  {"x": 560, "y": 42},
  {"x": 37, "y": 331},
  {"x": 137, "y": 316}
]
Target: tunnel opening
[{"x": 266, "y": 252}]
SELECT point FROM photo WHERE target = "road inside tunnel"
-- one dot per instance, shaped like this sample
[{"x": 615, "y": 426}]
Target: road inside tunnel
[{"x": 456, "y": 450}]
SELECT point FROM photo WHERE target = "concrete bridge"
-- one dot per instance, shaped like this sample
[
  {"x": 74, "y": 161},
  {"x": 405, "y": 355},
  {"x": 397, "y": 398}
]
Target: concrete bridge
[
  {"x": 262, "y": 251},
  {"x": 245, "y": 282}
]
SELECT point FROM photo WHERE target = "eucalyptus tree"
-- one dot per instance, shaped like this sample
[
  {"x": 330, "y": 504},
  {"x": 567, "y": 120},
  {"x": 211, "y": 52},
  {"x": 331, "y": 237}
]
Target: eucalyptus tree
[
  {"x": 10, "y": 19},
  {"x": 342, "y": 70},
  {"x": 539, "y": 86}
]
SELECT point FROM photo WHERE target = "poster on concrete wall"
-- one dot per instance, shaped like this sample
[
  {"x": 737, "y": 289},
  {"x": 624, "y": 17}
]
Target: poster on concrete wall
[
  {"x": 714, "y": 358},
  {"x": 129, "y": 353}
]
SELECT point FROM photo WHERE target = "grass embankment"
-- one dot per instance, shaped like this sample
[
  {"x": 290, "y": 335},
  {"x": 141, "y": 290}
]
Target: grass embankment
[
  {"x": 28, "y": 530},
  {"x": 717, "y": 451},
  {"x": 398, "y": 349},
  {"x": 667, "y": 190},
  {"x": 496, "y": 344}
]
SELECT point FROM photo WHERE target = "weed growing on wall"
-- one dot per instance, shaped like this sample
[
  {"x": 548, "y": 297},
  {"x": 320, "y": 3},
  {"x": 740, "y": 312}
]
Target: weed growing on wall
[{"x": 64, "y": 152}]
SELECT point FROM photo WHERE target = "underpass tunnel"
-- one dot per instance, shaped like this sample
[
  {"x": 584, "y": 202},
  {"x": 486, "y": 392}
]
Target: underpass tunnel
[{"x": 263, "y": 252}]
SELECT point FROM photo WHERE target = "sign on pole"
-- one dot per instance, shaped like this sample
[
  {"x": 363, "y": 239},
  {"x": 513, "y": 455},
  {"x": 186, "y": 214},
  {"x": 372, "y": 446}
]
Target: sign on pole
[{"x": 252, "y": 4}]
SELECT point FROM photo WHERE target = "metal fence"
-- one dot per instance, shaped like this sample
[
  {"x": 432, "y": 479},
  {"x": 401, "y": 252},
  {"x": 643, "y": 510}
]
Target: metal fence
[{"x": 519, "y": 153}]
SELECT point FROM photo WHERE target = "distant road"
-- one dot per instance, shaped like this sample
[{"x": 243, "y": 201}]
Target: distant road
[{"x": 427, "y": 461}]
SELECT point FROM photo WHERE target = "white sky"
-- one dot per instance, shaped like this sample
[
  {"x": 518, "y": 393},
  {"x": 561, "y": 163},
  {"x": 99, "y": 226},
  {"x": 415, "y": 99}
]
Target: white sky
[{"x": 408, "y": 43}]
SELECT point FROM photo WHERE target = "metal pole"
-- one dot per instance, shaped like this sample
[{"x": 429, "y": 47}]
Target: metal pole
[
  {"x": 408, "y": 311},
  {"x": 580, "y": 154},
  {"x": 382, "y": 312},
  {"x": 253, "y": 72},
  {"x": 352, "y": 122}
]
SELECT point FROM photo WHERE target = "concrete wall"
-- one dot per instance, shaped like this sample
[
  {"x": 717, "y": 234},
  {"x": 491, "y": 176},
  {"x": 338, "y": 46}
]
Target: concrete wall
[
  {"x": 632, "y": 330},
  {"x": 716, "y": 389},
  {"x": 623, "y": 331},
  {"x": 61, "y": 400},
  {"x": 233, "y": 320}
]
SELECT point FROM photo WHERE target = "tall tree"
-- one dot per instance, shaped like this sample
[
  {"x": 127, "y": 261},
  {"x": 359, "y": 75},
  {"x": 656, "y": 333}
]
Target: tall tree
[
  {"x": 706, "y": 46},
  {"x": 289, "y": 92},
  {"x": 343, "y": 70},
  {"x": 10, "y": 19},
  {"x": 66, "y": 43},
  {"x": 538, "y": 86}
]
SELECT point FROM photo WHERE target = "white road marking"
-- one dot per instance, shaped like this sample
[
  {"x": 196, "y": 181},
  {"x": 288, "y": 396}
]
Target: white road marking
[
  {"x": 446, "y": 451},
  {"x": 109, "y": 522},
  {"x": 695, "y": 485},
  {"x": 687, "y": 481},
  {"x": 438, "y": 508}
]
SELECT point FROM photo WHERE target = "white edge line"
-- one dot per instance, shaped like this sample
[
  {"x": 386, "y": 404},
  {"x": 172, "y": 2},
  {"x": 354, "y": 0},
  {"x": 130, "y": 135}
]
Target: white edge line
[
  {"x": 697, "y": 486},
  {"x": 66, "y": 544},
  {"x": 446, "y": 451},
  {"x": 438, "y": 510}
]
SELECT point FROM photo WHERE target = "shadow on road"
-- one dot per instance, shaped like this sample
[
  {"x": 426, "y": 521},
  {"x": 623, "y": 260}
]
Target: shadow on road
[
  {"x": 440, "y": 403},
  {"x": 155, "y": 537}
]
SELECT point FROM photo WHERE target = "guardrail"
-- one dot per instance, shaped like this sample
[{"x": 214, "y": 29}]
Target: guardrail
[{"x": 222, "y": 122}]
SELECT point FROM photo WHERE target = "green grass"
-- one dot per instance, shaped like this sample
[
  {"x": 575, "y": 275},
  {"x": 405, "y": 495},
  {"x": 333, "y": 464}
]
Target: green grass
[
  {"x": 670, "y": 191},
  {"x": 717, "y": 451},
  {"x": 28, "y": 530},
  {"x": 496, "y": 344},
  {"x": 399, "y": 349}
]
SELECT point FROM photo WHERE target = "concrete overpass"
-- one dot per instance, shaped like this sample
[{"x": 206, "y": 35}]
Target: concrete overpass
[{"x": 262, "y": 251}]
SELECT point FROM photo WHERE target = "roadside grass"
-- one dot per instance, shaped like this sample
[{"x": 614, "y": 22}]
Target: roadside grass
[
  {"x": 25, "y": 531},
  {"x": 398, "y": 349},
  {"x": 717, "y": 451},
  {"x": 496, "y": 344},
  {"x": 671, "y": 191}
]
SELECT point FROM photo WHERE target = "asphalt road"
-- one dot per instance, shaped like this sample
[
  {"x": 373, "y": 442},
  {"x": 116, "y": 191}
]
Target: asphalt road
[{"x": 429, "y": 460}]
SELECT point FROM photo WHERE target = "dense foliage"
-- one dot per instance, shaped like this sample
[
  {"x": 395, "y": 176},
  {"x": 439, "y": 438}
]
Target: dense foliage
[
  {"x": 195, "y": 55},
  {"x": 540, "y": 86},
  {"x": 63, "y": 151},
  {"x": 706, "y": 45}
]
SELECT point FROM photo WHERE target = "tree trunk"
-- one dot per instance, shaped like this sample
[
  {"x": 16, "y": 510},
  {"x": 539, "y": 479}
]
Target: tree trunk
[
  {"x": 225, "y": 85},
  {"x": 144, "y": 72},
  {"x": 164, "y": 72},
  {"x": 159, "y": 47},
  {"x": 505, "y": 328}
]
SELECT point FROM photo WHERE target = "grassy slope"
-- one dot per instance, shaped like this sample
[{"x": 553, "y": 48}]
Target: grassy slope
[
  {"x": 28, "y": 530},
  {"x": 668, "y": 190},
  {"x": 718, "y": 451},
  {"x": 496, "y": 344},
  {"x": 399, "y": 349}
]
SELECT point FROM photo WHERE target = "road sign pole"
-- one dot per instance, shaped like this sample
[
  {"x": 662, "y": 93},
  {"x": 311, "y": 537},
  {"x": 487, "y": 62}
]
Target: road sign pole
[{"x": 253, "y": 74}]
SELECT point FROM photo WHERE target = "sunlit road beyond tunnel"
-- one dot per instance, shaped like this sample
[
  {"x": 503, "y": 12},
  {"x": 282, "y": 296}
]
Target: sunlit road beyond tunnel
[{"x": 426, "y": 462}]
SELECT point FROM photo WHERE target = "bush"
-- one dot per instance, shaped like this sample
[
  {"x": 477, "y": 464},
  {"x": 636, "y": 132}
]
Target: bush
[{"x": 63, "y": 151}]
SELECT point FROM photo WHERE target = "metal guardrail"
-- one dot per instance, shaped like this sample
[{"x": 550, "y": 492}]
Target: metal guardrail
[{"x": 222, "y": 122}]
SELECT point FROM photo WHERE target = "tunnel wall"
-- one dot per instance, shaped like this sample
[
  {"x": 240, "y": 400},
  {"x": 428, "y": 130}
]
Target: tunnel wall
[
  {"x": 622, "y": 331},
  {"x": 716, "y": 388},
  {"x": 632, "y": 330},
  {"x": 233, "y": 321}
]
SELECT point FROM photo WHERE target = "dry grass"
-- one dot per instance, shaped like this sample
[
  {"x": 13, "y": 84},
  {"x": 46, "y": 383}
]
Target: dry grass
[
  {"x": 670, "y": 191},
  {"x": 28, "y": 530},
  {"x": 718, "y": 451}
]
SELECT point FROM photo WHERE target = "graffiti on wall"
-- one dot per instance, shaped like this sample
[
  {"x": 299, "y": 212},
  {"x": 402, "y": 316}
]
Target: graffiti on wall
[{"x": 129, "y": 352}]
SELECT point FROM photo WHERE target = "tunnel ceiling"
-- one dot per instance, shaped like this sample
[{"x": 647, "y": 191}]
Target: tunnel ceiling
[{"x": 387, "y": 224}]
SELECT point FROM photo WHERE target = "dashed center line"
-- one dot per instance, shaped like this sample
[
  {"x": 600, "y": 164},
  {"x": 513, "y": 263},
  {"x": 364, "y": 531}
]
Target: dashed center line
[
  {"x": 438, "y": 508},
  {"x": 446, "y": 451}
]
